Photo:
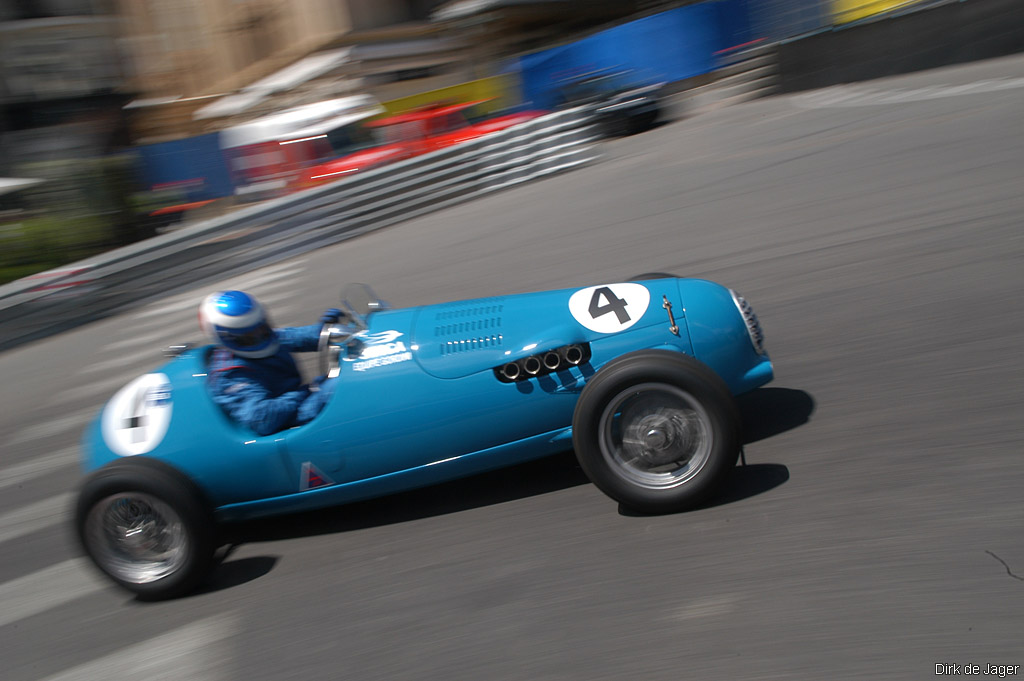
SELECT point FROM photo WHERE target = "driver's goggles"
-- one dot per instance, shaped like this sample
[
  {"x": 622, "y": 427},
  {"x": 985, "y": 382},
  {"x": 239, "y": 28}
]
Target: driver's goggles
[{"x": 254, "y": 337}]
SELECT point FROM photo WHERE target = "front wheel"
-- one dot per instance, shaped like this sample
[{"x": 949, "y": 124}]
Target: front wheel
[
  {"x": 147, "y": 527},
  {"x": 657, "y": 431}
]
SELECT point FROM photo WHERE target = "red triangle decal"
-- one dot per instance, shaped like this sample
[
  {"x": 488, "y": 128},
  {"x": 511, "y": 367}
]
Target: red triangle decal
[{"x": 312, "y": 477}]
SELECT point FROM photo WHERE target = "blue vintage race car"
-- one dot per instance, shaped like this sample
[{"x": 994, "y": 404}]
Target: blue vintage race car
[{"x": 637, "y": 377}]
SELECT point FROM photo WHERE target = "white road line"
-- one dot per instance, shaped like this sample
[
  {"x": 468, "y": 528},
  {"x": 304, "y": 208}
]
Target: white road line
[
  {"x": 178, "y": 331},
  {"x": 851, "y": 96},
  {"x": 927, "y": 92},
  {"x": 1007, "y": 84},
  {"x": 708, "y": 606},
  {"x": 964, "y": 89},
  {"x": 35, "y": 517},
  {"x": 37, "y": 466},
  {"x": 124, "y": 359},
  {"x": 169, "y": 308},
  {"x": 261, "y": 279},
  {"x": 287, "y": 264},
  {"x": 277, "y": 298},
  {"x": 248, "y": 281},
  {"x": 103, "y": 389},
  {"x": 828, "y": 97},
  {"x": 57, "y": 424},
  {"x": 48, "y": 588},
  {"x": 195, "y": 651},
  {"x": 834, "y": 96}
]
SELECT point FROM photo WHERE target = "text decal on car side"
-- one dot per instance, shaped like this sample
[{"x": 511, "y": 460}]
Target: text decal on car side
[
  {"x": 609, "y": 308},
  {"x": 380, "y": 349},
  {"x": 136, "y": 418}
]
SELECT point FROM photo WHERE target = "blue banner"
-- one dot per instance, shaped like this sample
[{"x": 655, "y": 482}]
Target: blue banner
[
  {"x": 669, "y": 46},
  {"x": 194, "y": 165}
]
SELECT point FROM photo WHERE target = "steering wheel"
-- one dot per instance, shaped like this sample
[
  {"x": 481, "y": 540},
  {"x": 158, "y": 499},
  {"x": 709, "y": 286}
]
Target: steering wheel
[
  {"x": 335, "y": 334},
  {"x": 331, "y": 338}
]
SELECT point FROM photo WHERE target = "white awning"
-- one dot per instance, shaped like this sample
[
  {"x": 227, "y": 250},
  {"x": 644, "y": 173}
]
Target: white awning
[
  {"x": 308, "y": 120},
  {"x": 13, "y": 184},
  {"x": 280, "y": 81},
  {"x": 399, "y": 49},
  {"x": 462, "y": 9},
  {"x": 323, "y": 127}
]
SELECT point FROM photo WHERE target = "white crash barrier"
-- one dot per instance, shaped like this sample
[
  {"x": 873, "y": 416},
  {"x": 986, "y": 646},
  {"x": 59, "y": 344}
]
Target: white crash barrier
[{"x": 281, "y": 228}]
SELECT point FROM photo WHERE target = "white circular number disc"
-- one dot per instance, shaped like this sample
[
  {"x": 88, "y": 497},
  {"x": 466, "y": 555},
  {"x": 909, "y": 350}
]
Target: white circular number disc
[
  {"x": 609, "y": 308},
  {"x": 136, "y": 418}
]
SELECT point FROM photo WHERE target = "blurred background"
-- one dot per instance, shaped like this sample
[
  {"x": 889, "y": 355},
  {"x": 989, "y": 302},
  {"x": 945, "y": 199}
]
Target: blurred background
[
  {"x": 805, "y": 152},
  {"x": 120, "y": 119}
]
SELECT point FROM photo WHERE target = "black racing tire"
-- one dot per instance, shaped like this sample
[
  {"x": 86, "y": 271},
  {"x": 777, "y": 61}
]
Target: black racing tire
[
  {"x": 656, "y": 430},
  {"x": 647, "y": 276},
  {"x": 643, "y": 122},
  {"x": 147, "y": 527}
]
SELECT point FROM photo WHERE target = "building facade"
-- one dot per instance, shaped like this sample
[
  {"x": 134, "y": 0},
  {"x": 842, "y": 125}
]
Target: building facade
[
  {"x": 200, "y": 65},
  {"x": 61, "y": 82}
]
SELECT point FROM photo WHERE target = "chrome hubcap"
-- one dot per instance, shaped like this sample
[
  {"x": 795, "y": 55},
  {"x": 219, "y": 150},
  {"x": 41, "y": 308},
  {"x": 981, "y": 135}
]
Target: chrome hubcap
[
  {"x": 656, "y": 435},
  {"x": 136, "y": 537},
  {"x": 656, "y": 438}
]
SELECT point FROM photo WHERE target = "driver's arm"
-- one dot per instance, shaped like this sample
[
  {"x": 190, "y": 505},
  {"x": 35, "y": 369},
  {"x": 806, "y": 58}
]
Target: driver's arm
[
  {"x": 312, "y": 405},
  {"x": 250, "y": 404},
  {"x": 306, "y": 338},
  {"x": 300, "y": 338}
]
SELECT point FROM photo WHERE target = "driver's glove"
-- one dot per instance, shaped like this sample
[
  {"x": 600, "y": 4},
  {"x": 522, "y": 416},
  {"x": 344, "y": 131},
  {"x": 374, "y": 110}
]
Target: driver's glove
[
  {"x": 324, "y": 385},
  {"x": 330, "y": 316}
]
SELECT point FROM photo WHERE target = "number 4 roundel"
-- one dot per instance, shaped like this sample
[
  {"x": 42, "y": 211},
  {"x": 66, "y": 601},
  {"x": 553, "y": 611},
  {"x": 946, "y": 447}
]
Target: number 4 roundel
[{"x": 609, "y": 308}]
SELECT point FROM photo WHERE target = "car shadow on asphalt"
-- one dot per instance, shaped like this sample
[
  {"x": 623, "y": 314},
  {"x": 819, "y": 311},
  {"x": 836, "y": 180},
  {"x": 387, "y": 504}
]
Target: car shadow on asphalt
[
  {"x": 232, "y": 573},
  {"x": 765, "y": 412},
  {"x": 522, "y": 481},
  {"x": 744, "y": 482}
]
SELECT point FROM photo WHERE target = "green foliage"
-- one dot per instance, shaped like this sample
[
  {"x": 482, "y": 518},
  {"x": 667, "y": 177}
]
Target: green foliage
[
  {"x": 40, "y": 243},
  {"x": 83, "y": 208}
]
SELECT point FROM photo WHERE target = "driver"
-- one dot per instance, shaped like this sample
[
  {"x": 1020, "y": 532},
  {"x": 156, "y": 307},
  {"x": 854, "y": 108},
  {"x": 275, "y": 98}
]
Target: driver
[{"x": 252, "y": 375}]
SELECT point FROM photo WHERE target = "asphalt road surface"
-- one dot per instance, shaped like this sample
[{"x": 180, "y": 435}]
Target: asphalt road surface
[{"x": 874, "y": 533}]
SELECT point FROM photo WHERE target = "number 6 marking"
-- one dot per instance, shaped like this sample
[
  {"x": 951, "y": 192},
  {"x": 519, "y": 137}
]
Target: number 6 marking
[
  {"x": 609, "y": 308},
  {"x": 137, "y": 416}
]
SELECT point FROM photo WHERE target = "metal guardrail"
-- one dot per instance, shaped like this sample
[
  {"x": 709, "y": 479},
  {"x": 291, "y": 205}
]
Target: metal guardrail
[{"x": 301, "y": 222}]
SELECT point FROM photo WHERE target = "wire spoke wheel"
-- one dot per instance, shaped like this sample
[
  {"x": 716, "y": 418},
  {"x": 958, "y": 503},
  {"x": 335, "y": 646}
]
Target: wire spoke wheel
[
  {"x": 147, "y": 527},
  {"x": 137, "y": 537}
]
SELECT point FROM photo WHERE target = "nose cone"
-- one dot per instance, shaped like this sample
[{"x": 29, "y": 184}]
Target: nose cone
[{"x": 721, "y": 336}]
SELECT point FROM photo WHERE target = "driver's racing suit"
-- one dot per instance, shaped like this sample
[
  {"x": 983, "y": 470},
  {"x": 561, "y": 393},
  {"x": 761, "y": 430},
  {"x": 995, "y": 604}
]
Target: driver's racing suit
[{"x": 267, "y": 394}]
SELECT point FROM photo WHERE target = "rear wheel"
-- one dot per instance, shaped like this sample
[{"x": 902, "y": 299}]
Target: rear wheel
[
  {"x": 147, "y": 527},
  {"x": 648, "y": 276},
  {"x": 657, "y": 431},
  {"x": 643, "y": 122}
]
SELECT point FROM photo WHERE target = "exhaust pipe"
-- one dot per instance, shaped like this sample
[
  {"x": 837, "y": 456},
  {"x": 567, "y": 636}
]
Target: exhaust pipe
[
  {"x": 510, "y": 371},
  {"x": 574, "y": 354},
  {"x": 552, "y": 360},
  {"x": 531, "y": 365}
]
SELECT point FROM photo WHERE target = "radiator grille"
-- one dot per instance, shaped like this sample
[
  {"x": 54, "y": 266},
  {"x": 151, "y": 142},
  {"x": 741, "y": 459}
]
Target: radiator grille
[{"x": 750, "y": 319}]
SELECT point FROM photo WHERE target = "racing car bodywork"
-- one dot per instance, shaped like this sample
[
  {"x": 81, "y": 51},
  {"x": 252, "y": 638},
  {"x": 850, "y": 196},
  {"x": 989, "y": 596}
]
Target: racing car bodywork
[{"x": 638, "y": 377}]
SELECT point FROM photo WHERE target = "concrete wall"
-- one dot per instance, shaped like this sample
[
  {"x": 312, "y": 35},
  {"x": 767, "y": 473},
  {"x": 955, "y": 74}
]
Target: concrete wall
[
  {"x": 936, "y": 36},
  {"x": 845, "y": 11}
]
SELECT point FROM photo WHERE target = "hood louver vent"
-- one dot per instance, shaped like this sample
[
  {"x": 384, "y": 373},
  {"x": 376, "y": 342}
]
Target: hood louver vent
[
  {"x": 463, "y": 329},
  {"x": 477, "y": 343}
]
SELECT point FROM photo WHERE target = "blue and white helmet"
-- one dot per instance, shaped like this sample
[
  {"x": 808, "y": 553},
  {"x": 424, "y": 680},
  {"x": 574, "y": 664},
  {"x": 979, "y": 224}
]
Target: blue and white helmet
[{"x": 237, "y": 321}]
